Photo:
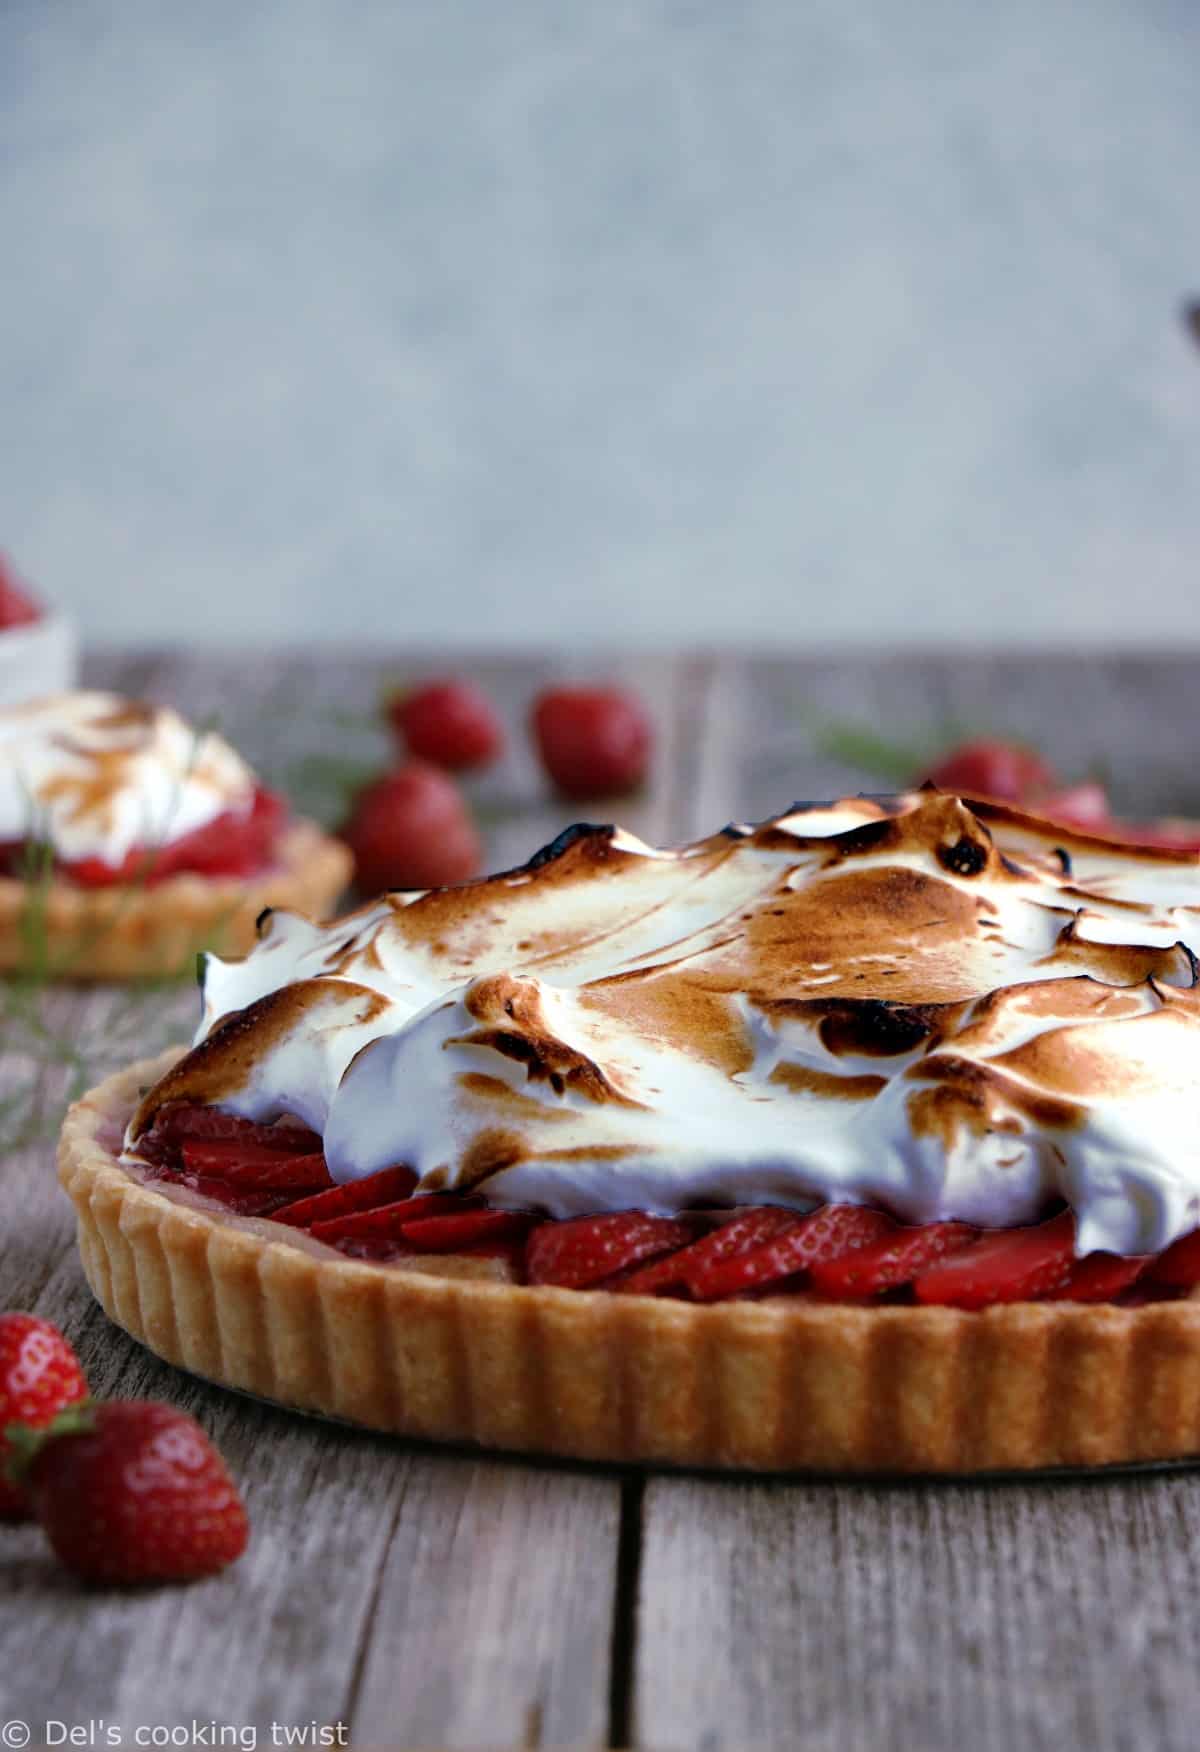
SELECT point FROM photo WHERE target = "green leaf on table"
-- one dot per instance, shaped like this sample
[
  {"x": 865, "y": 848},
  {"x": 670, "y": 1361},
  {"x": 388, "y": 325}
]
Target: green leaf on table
[
  {"x": 898, "y": 762},
  {"x": 322, "y": 785}
]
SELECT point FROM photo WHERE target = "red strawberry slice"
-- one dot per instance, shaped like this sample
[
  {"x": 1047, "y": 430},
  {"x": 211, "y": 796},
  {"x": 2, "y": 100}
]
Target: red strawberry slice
[
  {"x": 248, "y": 1202},
  {"x": 1006, "y": 1265},
  {"x": 1179, "y": 1264},
  {"x": 189, "y": 1120},
  {"x": 1100, "y": 1276},
  {"x": 741, "y": 1234},
  {"x": 580, "y": 1252},
  {"x": 463, "y": 1231},
  {"x": 392, "y": 1220},
  {"x": 381, "y": 1188},
  {"x": 894, "y": 1260},
  {"x": 299, "y": 1175},
  {"x": 245, "y": 1164},
  {"x": 825, "y": 1234}
]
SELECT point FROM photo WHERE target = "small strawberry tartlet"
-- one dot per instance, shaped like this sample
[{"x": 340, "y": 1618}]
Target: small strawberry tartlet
[{"x": 130, "y": 841}]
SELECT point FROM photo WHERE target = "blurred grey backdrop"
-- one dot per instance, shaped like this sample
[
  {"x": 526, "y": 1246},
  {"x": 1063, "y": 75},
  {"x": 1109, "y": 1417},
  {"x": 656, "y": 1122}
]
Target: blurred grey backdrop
[{"x": 522, "y": 320}]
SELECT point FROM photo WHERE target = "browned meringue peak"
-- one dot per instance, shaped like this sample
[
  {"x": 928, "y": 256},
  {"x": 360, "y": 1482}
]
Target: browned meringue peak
[
  {"x": 883, "y": 999},
  {"x": 1044, "y": 1052}
]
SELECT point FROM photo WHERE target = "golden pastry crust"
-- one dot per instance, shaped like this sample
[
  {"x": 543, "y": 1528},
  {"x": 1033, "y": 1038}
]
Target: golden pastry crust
[
  {"x": 775, "y": 1385},
  {"x": 131, "y": 933}
]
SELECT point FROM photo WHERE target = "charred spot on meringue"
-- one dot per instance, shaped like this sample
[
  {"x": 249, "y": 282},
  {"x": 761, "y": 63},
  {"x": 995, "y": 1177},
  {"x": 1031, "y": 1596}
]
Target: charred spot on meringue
[
  {"x": 546, "y": 1060},
  {"x": 966, "y": 857},
  {"x": 514, "y": 1023},
  {"x": 872, "y": 836},
  {"x": 874, "y": 1028},
  {"x": 562, "y": 843}
]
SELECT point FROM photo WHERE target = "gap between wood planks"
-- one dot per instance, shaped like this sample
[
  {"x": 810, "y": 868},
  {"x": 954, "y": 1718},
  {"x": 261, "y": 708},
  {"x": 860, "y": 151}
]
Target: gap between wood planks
[{"x": 625, "y": 1614}]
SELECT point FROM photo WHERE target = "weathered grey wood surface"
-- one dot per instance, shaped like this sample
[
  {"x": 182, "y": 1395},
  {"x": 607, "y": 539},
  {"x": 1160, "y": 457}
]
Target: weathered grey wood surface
[{"x": 425, "y": 1599}]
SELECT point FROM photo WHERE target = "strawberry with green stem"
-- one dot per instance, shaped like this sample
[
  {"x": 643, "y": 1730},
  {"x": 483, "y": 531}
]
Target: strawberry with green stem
[
  {"x": 130, "y": 1492},
  {"x": 40, "y": 1375}
]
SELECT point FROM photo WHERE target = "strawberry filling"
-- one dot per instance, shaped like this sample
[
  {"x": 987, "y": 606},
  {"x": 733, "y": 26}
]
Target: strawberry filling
[
  {"x": 839, "y": 1253},
  {"x": 234, "y": 844}
]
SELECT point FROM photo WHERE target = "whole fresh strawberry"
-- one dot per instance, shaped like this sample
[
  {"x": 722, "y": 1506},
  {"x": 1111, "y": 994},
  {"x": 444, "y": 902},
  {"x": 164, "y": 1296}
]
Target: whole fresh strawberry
[
  {"x": 131, "y": 1491},
  {"x": 1084, "y": 805},
  {"x": 450, "y": 723},
  {"x": 989, "y": 768},
  {"x": 39, "y": 1375},
  {"x": 593, "y": 741},
  {"x": 412, "y": 829}
]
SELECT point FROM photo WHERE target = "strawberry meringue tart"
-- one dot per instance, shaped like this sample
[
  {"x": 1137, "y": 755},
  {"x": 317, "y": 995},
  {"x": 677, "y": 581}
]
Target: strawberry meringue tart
[
  {"x": 859, "y": 1140},
  {"x": 129, "y": 841}
]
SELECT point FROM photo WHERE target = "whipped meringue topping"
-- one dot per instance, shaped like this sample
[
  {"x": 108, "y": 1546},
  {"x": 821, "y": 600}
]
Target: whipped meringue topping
[
  {"x": 97, "y": 776},
  {"x": 947, "y": 1011}
]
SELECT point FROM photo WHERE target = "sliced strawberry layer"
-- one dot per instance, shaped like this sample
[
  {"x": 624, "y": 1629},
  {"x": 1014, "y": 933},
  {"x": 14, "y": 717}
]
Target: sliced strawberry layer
[
  {"x": 1006, "y": 1265},
  {"x": 580, "y": 1252},
  {"x": 183, "y": 1120},
  {"x": 466, "y": 1232},
  {"x": 740, "y": 1235},
  {"x": 890, "y": 1262},
  {"x": 1179, "y": 1265},
  {"x": 242, "y": 1201},
  {"x": 237, "y": 843},
  {"x": 380, "y": 1222},
  {"x": 827, "y": 1234},
  {"x": 382, "y": 1188},
  {"x": 1099, "y": 1277},
  {"x": 840, "y": 1252},
  {"x": 245, "y": 1164}
]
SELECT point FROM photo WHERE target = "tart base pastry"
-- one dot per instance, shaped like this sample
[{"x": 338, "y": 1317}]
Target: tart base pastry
[
  {"x": 775, "y": 1385},
  {"x": 127, "y": 932}
]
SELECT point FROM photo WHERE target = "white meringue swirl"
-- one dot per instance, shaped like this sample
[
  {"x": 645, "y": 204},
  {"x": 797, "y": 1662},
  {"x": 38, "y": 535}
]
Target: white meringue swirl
[{"x": 97, "y": 776}]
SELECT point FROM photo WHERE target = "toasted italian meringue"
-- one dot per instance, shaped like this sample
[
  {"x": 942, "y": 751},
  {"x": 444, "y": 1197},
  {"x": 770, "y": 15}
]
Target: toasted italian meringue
[
  {"x": 97, "y": 776},
  {"x": 948, "y": 1011}
]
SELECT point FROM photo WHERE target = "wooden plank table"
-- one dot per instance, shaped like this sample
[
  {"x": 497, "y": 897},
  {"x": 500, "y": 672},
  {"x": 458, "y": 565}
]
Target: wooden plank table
[{"x": 409, "y": 1597}]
